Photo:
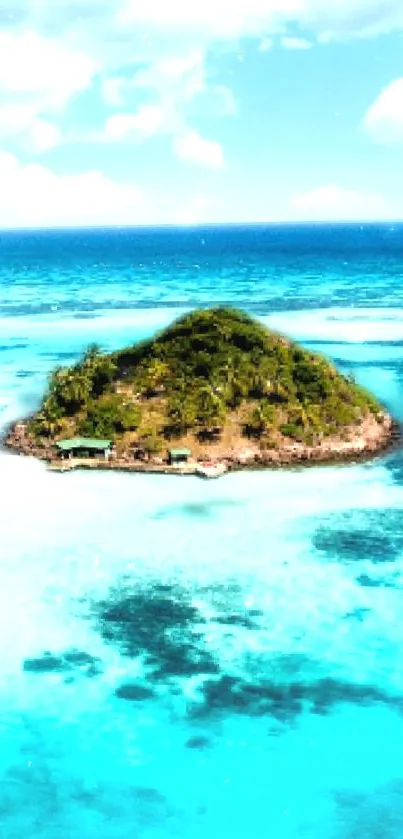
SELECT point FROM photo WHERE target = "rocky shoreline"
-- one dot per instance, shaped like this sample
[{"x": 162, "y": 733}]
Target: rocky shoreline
[{"x": 374, "y": 436}]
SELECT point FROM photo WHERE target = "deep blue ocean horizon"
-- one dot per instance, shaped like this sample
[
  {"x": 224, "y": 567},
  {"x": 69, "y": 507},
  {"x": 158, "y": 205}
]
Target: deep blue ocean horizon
[{"x": 201, "y": 659}]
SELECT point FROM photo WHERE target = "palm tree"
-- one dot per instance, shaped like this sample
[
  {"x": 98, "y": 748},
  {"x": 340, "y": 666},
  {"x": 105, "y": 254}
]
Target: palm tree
[
  {"x": 50, "y": 419},
  {"x": 210, "y": 410},
  {"x": 71, "y": 389},
  {"x": 181, "y": 413}
]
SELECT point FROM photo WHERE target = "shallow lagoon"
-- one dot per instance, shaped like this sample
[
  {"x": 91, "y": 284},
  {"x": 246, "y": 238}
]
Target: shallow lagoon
[{"x": 195, "y": 659}]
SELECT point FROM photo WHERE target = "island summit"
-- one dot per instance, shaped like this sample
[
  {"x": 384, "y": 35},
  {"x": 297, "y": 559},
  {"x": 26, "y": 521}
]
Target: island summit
[{"x": 216, "y": 390}]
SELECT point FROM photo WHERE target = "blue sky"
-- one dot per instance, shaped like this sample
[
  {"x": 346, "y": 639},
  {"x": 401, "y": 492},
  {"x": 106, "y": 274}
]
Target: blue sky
[{"x": 128, "y": 112}]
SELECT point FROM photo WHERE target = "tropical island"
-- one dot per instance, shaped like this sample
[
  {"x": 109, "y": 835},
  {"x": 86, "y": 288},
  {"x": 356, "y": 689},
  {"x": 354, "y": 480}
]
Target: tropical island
[{"x": 216, "y": 390}]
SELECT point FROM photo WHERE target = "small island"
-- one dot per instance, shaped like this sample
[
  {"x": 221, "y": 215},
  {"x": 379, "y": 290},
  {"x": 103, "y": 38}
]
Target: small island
[{"x": 216, "y": 390}]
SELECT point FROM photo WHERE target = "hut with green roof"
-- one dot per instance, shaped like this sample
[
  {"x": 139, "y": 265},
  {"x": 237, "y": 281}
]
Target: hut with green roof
[
  {"x": 177, "y": 457},
  {"x": 82, "y": 447}
]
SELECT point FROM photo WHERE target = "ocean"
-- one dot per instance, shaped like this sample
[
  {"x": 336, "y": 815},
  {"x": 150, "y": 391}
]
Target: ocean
[{"x": 201, "y": 659}]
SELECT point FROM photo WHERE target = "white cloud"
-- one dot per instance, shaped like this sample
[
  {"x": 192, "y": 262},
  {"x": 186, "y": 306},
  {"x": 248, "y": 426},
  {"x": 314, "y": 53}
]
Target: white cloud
[
  {"x": 333, "y": 203},
  {"x": 384, "y": 119},
  {"x": 56, "y": 48},
  {"x": 38, "y": 77},
  {"x": 183, "y": 74},
  {"x": 342, "y": 19},
  {"x": 148, "y": 121},
  {"x": 172, "y": 83},
  {"x": 175, "y": 83},
  {"x": 292, "y": 43},
  {"x": 266, "y": 44},
  {"x": 195, "y": 211},
  {"x": 16, "y": 118},
  {"x": 20, "y": 123},
  {"x": 227, "y": 19},
  {"x": 193, "y": 148},
  {"x": 118, "y": 28},
  {"x": 43, "y": 136},
  {"x": 113, "y": 91},
  {"x": 32, "y": 64},
  {"x": 50, "y": 51},
  {"x": 34, "y": 196},
  {"x": 212, "y": 18}
]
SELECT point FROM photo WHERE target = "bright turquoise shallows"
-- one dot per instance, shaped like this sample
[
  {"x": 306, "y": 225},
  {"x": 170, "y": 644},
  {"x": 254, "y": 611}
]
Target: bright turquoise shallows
[{"x": 194, "y": 659}]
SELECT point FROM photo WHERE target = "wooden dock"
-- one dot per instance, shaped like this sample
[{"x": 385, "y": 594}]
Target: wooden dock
[{"x": 98, "y": 464}]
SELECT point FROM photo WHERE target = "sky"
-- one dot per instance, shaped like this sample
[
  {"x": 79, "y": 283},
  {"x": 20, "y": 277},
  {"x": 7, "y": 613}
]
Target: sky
[{"x": 121, "y": 112}]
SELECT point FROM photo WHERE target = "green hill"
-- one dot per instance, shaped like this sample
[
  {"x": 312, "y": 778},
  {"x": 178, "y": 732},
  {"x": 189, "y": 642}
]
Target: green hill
[{"x": 215, "y": 377}]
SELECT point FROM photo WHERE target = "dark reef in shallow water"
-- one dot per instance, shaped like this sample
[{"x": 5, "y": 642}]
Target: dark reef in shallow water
[
  {"x": 366, "y": 581},
  {"x": 358, "y": 614},
  {"x": 375, "y": 535},
  {"x": 161, "y": 624},
  {"x": 134, "y": 692},
  {"x": 68, "y": 662},
  {"x": 199, "y": 742},
  {"x": 232, "y": 694},
  {"x": 243, "y": 620},
  {"x": 152, "y": 808}
]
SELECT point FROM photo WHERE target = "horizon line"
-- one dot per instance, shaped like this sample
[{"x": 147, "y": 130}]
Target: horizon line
[{"x": 203, "y": 225}]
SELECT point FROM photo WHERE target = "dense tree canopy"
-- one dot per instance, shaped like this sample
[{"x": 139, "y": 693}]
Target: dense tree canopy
[{"x": 210, "y": 366}]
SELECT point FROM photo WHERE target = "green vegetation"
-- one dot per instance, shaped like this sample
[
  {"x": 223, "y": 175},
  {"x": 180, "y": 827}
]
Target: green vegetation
[
  {"x": 108, "y": 417},
  {"x": 210, "y": 370}
]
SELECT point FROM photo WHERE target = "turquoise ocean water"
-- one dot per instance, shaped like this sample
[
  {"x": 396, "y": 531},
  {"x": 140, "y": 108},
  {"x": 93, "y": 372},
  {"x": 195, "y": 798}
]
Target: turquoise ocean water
[{"x": 189, "y": 659}]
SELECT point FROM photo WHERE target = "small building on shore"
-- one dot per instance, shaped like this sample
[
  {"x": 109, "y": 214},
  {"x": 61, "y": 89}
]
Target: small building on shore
[
  {"x": 178, "y": 457},
  {"x": 84, "y": 447}
]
